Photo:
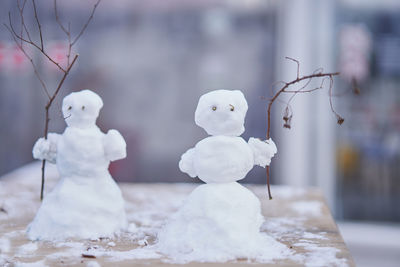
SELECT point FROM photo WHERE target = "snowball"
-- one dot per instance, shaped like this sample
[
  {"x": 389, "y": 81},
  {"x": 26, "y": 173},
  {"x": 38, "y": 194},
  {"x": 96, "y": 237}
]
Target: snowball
[
  {"x": 46, "y": 148},
  {"x": 222, "y": 112},
  {"x": 263, "y": 151},
  {"x": 222, "y": 159},
  {"x": 114, "y": 145},
  {"x": 81, "y": 109},
  {"x": 86, "y": 202},
  {"x": 218, "y": 222},
  {"x": 186, "y": 163}
]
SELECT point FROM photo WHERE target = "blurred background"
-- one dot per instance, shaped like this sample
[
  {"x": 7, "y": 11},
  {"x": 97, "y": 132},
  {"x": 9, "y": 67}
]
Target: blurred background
[{"x": 151, "y": 60}]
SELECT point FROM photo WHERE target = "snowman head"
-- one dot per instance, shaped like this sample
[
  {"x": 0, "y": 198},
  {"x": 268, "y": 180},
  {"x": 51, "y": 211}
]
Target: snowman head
[
  {"x": 81, "y": 109},
  {"x": 222, "y": 112}
]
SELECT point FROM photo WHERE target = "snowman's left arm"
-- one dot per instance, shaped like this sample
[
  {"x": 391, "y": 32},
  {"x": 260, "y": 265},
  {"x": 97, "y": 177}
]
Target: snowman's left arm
[
  {"x": 114, "y": 145},
  {"x": 263, "y": 151}
]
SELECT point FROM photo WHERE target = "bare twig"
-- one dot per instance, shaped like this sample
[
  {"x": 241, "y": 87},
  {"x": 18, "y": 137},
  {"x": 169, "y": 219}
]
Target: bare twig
[
  {"x": 20, "y": 40},
  {"x": 288, "y": 114},
  {"x": 87, "y": 23},
  {"x": 35, "y": 69},
  {"x": 39, "y": 26}
]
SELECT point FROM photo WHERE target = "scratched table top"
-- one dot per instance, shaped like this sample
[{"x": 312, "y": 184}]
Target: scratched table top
[{"x": 297, "y": 217}]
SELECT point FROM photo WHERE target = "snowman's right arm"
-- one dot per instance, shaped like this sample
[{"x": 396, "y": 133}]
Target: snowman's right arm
[
  {"x": 114, "y": 145},
  {"x": 46, "y": 149},
  {"x": 186, "y": 164}
]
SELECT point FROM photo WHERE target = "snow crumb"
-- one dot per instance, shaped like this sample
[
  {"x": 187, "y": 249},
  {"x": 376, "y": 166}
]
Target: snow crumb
[
  {"x": 111, "y": 244},
  {"x": 92, "y": 264},
  {"x": 30, "y": 264},
  {"x": 132, "y": 228},
  {"x": 143, "y": 242},
  {"x": 313, "y": 236},
  {"x": 309, "y": 208},
  {"x": 320, "y": 256},
  {"x": 27, "y": 249},
  {"x": 147, "y": 252},
  {"x": 4, "y": 245}
]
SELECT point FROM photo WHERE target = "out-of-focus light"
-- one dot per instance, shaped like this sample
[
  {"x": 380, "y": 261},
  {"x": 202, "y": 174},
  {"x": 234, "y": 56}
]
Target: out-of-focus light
[
  {"x": 58, "y": 51},
  {"x": 355, "y": 47}
]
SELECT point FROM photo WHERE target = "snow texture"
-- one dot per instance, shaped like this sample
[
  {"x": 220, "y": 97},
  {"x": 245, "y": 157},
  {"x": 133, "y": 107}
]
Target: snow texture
[
  {"x": 224, "y": 157},
  {"x": 148, "y": 207},
  {"x": 217, "y": 223},
  {"x": 221, "y": 220},
  {"x": 263, "y": 151},
  {"x": 86, "y": 202}
]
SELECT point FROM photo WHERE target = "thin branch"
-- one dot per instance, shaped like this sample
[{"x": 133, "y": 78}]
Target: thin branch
[
  {"x": 30, "y": 60},
  {"x": 298, "y": 65},
  {"x": 318, "y": 73},
  {"x": 87, "y": 23},
  {"x": 23, "y": 26},
  {"x": 271, "y": 101},
  {"x": 20, "y": 40},
  {"x": 32, "y": 43},
  {"x": 68, "y": 33},
  {"x": 61, "y": 82},
  {"x": 39, "y": 26}
]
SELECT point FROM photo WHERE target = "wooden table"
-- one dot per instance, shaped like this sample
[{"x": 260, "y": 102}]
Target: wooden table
[{"x": 298, "y": 218}]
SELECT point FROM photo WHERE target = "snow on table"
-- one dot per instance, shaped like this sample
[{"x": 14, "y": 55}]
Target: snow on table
[{"x": 299, "y": 218}]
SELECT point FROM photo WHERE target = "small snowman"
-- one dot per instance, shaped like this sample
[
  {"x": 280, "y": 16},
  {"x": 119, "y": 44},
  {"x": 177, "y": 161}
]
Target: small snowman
[
  {"x": 220, "y": 220},
  {"x": 86, "y": 203}
]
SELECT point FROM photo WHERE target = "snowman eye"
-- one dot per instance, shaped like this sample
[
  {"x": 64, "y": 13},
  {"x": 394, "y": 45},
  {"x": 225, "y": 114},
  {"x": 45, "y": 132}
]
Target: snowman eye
[
  {"x": 214, "y": 108},
  {"x": 70, "y": 107},
  {"x": 83, "y": 107},
  {"x": 232, "y": 107}
]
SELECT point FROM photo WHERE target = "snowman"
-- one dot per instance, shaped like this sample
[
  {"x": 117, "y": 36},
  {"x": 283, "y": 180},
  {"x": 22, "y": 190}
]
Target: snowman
[
  {"x": 86, "y": 203},
  {"x": 220, "y": 220}
]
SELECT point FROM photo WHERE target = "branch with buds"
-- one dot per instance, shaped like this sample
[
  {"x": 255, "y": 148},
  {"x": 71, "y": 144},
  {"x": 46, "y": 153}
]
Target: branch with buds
[
  {"x": 288, "y": 114},
  {"x": 24, "y": 37}
]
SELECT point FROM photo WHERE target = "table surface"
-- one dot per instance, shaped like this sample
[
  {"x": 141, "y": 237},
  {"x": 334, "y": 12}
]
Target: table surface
[{"x": 298, "y": 218}]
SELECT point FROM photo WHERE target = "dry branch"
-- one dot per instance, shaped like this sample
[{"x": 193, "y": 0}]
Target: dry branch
[
  {"x": 288, "y": 113},
  {"x": 20, "y": 40}
]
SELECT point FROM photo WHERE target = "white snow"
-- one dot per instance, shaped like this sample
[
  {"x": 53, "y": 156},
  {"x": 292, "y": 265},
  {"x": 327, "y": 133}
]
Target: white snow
[
  {"x": 224, "y": 157},
  {"x": 221, "y": 220},
  {"x": 92, "y": 264},
  {"x": 4, "y": 245},
  {"x": 310, "y": 208},
  {"x": 40, "y": 263},
  {"x": 222, "y": 112},
  {"x": 111, "y": 244},
  {"x": 147, "y": 213},
  {"x": 86, "y": 202},
  {"x": 317, "y": 256},
  {"x": 263, "y": 151},
  {"x": 27, "y": 249}
]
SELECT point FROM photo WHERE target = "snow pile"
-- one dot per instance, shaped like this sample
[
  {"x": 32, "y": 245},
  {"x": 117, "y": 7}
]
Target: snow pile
[
  {"x": 221, "y": 220},
  {"x": 217, "y": 223},
  {"x": 86, "y": 202}
]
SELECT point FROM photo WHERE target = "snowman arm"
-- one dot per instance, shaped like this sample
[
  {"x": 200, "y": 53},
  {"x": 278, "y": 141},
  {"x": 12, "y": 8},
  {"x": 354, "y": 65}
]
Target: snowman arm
[
  {"x": 263, "y": 151},
  {"x": 114, "y": 145},
  {"x": 186, "y": 164},
  {"x": 46, "y": 149}
]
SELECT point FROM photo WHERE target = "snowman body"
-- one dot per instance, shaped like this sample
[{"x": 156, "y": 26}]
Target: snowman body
[
  {"x": 86, "y": 203},
  {"x": 222, "y": 159},
  {"x": 221, "y": 219}
]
